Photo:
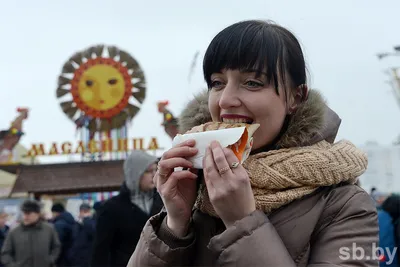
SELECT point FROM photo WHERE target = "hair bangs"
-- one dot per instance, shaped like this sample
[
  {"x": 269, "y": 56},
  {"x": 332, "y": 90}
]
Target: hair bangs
[{"x": 246, "y": 47}]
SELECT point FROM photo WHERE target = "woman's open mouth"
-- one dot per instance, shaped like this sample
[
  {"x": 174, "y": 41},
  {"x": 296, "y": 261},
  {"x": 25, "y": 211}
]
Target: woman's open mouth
[{"x": 231, "y": 118}]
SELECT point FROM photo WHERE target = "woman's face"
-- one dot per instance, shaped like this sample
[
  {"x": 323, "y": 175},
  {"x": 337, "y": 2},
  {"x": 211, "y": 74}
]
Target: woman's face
[{"x": 241, "y": 97}]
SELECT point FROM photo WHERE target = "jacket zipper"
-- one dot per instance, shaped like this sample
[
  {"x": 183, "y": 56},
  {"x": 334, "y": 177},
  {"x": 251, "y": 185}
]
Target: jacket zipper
[{"x": 31, "y": 246}]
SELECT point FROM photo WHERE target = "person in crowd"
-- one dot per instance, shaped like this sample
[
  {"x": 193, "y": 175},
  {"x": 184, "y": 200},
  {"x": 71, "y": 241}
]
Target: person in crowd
[
  {"x": 4, "y": 228},
  {"x": 64, "y": 223},
  {"x": 121, "y": 218},
  {"x": 293, "y": 202},
  {"x": 81, "y": 250},
  {"x": 389, "y": 229},
  {"x": 379, "y": 197},
  {"x": 96, "y": 207},
  {"x": 373, "y": 190},
  {"x": 372, "y": 193},
  {"x": 33, "y": 243}
]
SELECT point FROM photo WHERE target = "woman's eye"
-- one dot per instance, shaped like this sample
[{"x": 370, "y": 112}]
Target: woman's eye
[
  {"x": 254, "y": 84},
  {"x": 216, "y": 84}
]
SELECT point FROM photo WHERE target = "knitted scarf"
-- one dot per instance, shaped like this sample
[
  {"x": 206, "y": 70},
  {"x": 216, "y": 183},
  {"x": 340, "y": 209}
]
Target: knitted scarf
[{"x": 278, "y": 177}]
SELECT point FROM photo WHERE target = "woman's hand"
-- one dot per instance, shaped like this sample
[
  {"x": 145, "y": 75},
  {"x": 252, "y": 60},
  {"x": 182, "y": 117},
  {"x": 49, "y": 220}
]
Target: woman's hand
[
  {"x": 228, "y": 187},
  {"x": 177, "y": 188}
]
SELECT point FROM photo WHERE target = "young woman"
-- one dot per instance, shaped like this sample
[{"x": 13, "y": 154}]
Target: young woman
[{"x": 293, "y": 202}]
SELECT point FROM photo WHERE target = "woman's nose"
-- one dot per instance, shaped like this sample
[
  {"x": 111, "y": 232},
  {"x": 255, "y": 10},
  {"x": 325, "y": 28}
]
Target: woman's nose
[{"x": 229, "y": 97}]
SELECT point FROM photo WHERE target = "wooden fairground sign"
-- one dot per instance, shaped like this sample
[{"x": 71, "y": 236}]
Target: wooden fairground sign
[
  {"x": 93, "y": 147},
  {"x": 101, "y": 89}
]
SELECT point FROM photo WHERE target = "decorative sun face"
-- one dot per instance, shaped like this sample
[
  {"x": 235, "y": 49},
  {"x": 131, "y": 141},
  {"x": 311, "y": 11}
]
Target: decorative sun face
[{"x": 101, "y": 87}]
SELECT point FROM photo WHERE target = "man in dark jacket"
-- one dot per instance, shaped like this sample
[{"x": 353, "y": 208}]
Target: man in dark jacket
[
  {"x": 3, "y": 229},
  {"x": 121, "y": 218},
  {"x": 84, "y": 231},
  {"x": 33, "y": 243},
  {"x": 96, "y": 208},
  {"x": 64, "y": 223}
]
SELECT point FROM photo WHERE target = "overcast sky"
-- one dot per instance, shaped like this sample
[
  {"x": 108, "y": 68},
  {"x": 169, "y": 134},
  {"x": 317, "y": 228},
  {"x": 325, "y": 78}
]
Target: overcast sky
[{"x": 340, "y": 38}]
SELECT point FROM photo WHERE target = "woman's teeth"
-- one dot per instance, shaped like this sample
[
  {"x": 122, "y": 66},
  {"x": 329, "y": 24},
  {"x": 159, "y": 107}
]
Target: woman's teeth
[{"x": 237, "y": 120}]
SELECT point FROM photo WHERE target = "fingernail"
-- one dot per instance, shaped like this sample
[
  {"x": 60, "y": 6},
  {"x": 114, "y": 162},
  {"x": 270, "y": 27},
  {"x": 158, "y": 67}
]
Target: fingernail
[
  {"x": 190, "y": 142},
  {"x": 193, "y": 149},
  {"x": 214, "y": 144}
]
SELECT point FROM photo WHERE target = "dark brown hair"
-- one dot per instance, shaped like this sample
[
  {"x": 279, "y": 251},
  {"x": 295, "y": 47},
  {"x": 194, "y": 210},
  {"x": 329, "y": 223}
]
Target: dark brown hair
[{"x": 259, "y": 46}]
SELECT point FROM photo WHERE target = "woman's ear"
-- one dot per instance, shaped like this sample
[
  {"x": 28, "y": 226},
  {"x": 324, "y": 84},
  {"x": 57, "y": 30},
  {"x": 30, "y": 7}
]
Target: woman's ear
[{"x": 300, "y": 95}]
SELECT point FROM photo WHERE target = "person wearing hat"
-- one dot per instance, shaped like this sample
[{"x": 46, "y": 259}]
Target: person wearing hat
[
  {"x": 84, "y": 230},
  {"x": 64, "y": 223},
  {"x": 96, "y": 208},
  {"x": 121, "y": 219},
  {"x": 33, "y": 243}
]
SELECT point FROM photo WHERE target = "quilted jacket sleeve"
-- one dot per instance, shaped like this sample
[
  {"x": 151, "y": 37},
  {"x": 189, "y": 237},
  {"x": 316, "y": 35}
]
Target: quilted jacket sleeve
[
  {"x": 158, "y": 246},
  {"x": 351, "y": 231},
  {"x": 253, "y": 241}
]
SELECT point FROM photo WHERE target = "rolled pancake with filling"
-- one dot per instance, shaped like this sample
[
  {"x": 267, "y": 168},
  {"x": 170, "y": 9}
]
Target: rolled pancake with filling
[{"x": 236, "y": 136}]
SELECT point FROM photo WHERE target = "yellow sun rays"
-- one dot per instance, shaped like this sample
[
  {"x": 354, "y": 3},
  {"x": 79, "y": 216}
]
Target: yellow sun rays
[{"x": 100, "y": 84}]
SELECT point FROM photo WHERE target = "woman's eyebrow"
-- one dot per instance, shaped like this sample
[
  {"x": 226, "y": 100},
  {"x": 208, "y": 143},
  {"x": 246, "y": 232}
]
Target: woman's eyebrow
[
  {"x": 253, "y": 71},
  {"x": 216, "y": 73}
]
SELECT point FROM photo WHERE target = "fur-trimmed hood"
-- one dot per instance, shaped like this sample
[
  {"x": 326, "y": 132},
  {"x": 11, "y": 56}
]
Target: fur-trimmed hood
[{"x": 313, "y": 121}]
